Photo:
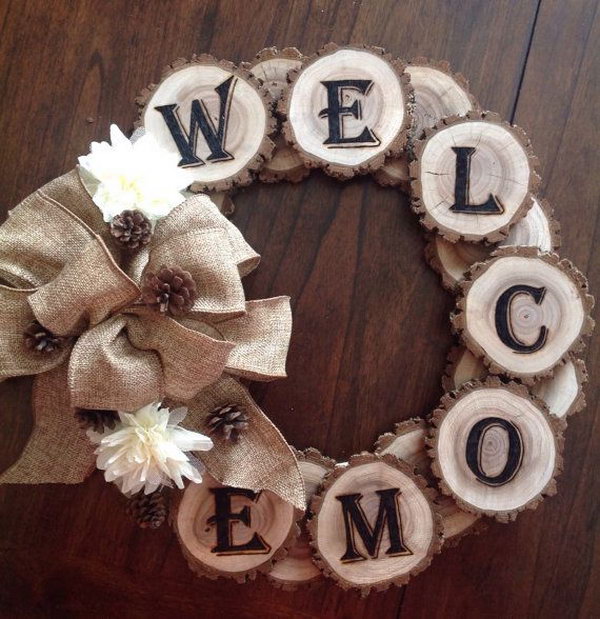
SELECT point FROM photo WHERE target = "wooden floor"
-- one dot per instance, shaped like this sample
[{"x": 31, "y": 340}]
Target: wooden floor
[{"x": 371, "y": 319}]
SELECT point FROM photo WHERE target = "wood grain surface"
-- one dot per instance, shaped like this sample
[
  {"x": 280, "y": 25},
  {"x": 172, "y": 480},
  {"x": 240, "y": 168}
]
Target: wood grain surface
[{"x": 371, "y": 318}]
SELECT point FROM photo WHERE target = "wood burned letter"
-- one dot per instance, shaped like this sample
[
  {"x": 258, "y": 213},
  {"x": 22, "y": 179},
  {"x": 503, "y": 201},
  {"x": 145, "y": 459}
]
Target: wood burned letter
[
  {"x": 336, "y": 110},
  {"x": 224, "y": 519},
  {"x": 504, "y": 326},
  {"x": 462, "y": 183},
  {"x": 356, "y": 522},
  {"x": 200, "y": 118}
]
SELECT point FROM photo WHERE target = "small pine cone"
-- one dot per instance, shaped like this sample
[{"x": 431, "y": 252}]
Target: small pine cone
[
  {"x": 148, "y": 510},
  {"x": 132, "y": 229},
  {"x": 40, "y": 339},
  {"x": 96, "y": 420},
  {"x": 172, "y": 290},
  {"x": 230, "y": 420}
]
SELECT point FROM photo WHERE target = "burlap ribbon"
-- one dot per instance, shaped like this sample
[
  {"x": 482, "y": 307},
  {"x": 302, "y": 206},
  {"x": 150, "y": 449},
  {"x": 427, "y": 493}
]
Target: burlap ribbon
[{"x": 69, "y": 274}]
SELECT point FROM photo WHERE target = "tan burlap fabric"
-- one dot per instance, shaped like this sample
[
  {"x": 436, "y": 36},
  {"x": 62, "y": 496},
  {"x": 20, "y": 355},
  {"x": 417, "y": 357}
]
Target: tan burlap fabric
[{"x": 72, "y": 277}]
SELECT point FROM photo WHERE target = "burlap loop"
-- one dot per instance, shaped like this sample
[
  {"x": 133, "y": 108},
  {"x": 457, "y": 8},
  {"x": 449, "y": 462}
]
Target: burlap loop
[
  {"x": 206, "y": 254},
  {"x": 39, "y": 237},
  {"x": 258, "y": 334},
  {"x": 58, "y": 450},
  {"x": 260, "y": 460},
  {"x": 15, "y": 358},
  {"x": 88, "y": 290},
  {"x": 200, "y": 213}
]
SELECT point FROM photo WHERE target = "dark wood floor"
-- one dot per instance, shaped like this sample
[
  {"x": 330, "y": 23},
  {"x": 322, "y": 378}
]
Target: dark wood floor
[{"x": 371, "y": 320}]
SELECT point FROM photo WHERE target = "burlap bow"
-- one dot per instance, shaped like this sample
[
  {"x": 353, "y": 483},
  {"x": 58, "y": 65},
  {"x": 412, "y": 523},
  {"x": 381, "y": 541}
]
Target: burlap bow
[{"x": 68, "y": 273}]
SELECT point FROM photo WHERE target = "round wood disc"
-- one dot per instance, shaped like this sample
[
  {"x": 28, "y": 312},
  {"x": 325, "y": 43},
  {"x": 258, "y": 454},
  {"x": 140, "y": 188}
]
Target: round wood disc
[
  {"x": 537, "y": 229},
  {"x": 215, "y": 116},
  {"x": 394, "y": 173},
  {"x": 285, "y": 165},
  {"x": 462, "y": 366},
  {"x": 347, "y": 108},
  {"x": 495, "y": 448},
  {"x": 493, "y": 185},
  {"x": 271, "y": 67},
  {"x": 453, "y": 260},
  {"x": 522, "y": 312},
  {"x": 438, "y": 93},
  {"x": 261, "y": 527},
  {"x": 401, "y": 548},
  {"x": 563, "y": 391},
  {"x": 408, "y": 444},
  {"x": 297, "y": 567}
]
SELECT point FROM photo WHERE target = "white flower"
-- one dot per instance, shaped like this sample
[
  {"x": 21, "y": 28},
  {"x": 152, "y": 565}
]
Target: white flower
[
  {"x": 140, "y": 175},
  {"x": 146, "y": 449}
]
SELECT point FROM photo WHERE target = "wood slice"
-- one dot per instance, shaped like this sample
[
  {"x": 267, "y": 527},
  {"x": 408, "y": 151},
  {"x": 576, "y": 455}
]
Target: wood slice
[
  {"x": 407, "y": 442},
  {"x": 537, "y": 229},
  {"x": 438, "y": 93},
  {"x": 382, "y": 550},
  {"x": 271, "y": 67},
  {"x": 236, "y": 541},
  {"x": 298, "y": 567},
  {"x": 462, "y": 366},
  {"x": 285, "y": 165},
  {"x": 215, "y": 116},
  {"x": 563, "y": 391},
  {"x": 495, "y": 448},
  {"x": 453, "y": 260},
  {"x": 347, "y": 108},
  {"x": 394, "y": 173},
  {"x": 523, "y": 311},
  {"x": 492, "y": 189}
]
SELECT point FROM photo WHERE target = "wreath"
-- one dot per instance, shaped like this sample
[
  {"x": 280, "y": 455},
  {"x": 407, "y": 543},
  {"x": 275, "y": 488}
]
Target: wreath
[{"x": 123, "y": 296}]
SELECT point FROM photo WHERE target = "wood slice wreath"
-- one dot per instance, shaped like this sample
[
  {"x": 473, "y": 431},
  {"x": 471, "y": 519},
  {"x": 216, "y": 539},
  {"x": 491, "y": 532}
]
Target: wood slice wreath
[
  {"x": 355, "y": 110},
  {"x": 492, "y": 448}
]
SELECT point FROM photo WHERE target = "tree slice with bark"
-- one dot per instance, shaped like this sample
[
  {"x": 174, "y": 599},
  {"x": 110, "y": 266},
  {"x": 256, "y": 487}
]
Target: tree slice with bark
[
  {"x": 271, "y": 67},
  {"x": 438, "y": 93},
  {"x": 537, "y": 229},
  {"x": 523, "y": 312},
  {"x": 298, "y": 567},
  {"x": 453, "y": 260},
  {"x": 563, "y": 391},
  {"x": 495, "y": 448},
  {"x": 347, "y": 108},
  {"x": 462, "y": 366},
  {"x": 473, "y": 177},
  {"x": 215, "y": 116},
  {"x": 233, "y": 532},
  {"x": 408, "y": 444},
  {"x": 375, "y": 523}
]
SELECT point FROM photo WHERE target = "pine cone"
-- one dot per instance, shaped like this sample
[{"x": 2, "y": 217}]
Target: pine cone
[
  {"x": 148, "y": 510},
  {"x": 38, "y": 338},
  {"x": 96, "y": 420},
  {"x": 230, "y": 420},
  {"x": 131, "y": 228},
  {"x": 172, "y": 290}
]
